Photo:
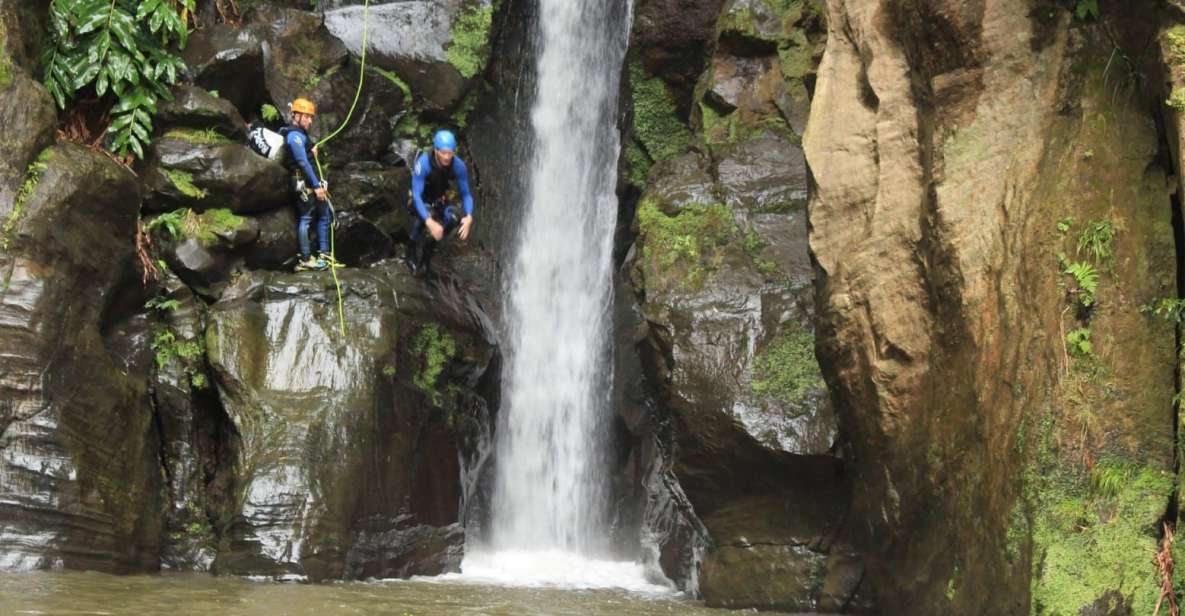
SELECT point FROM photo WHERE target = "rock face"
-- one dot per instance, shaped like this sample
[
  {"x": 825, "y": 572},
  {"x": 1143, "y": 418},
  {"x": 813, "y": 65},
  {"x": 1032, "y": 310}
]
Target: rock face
[
  {"x": 436, "y": 46},
  {"x": 959, "y": 148},
  {"x": 345, "y": 439},
  {"x": 29, "y": 125},
  {"x": 734, "y": 431},
  {"x": 196, "y": 171},
  {"x": 80, "y": 483}
]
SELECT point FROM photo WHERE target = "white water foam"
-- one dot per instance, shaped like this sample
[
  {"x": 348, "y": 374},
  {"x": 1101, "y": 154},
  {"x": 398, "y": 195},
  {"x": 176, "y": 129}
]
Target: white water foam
[{"x": 555, "y": 569}]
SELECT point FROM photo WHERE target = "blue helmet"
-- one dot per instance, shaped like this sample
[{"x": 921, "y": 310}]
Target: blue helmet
[{"x": 445, "y": 140}]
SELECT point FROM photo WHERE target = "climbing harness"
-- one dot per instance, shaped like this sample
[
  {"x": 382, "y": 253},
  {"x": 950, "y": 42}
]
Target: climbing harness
[{"x": 341, "y": 311}]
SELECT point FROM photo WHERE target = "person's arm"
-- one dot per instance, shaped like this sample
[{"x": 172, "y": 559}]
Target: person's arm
[
  {"x": 463, "y": 185},
  {"x": 418, "y": 175},
  {"x": 296, "y": 148}
]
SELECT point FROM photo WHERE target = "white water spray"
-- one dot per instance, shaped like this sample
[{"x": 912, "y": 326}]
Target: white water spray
[{"x": 550, "y": 504}]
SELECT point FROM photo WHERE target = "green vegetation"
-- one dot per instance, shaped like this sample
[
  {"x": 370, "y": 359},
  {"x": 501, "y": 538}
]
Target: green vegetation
[
  {"x": 1097, "y": 241},
  {"x": 208, "y": 136},
  {"x": 685, "y": 247},
  {"x": 1097, "y": 537},
  {"x": 124, "y": 48},
  {"x": 162, "y": 303},
  {"x": 1086, "y": 283},
  {"x": 167, "y": 347},
  {"x": 656, "y": 124},
  {"x": 6, "y": 75},
  {"x": 1171, "y": 309},
  {"x": 1176, "y": 100},
  {"x": 637, "y": 163},
  {"x": 269, "y": 113},
  {"x": 1086, "y": 9},
  {"x": 753, "y": 247},
  {"x": 1175, "y": 37},
  {"x": 388, "y": 370},
  {"x": 1063, "y": 225},
  {"x": 183, "y": 180},
  {"x": 184, "y": 224},
  {"x": 435, "y": 349},
  {"x": 788, "y": 368},
  {"x": 395, "y": 79},
  {"x": 469, "y": 50},
  {"x": 32, "y": 178},
  {"x": 1078, "y": 343}
]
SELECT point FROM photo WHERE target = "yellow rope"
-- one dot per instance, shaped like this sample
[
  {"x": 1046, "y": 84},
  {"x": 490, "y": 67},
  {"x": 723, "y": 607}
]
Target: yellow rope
[{"x": 341, "y": 311}]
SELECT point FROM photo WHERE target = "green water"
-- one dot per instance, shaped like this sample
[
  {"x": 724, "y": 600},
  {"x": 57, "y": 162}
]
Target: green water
[{"x": 176, "y": 595}]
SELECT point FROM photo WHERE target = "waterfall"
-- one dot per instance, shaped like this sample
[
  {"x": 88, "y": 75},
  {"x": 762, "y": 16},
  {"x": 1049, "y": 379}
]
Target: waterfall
[{"x": 550, "y": 491}]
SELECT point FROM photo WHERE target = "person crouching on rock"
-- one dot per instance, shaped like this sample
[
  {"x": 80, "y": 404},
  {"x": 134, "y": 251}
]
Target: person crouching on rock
[
  {"x": 434, "y": 217},
  {"x": 311, "y": 195}
]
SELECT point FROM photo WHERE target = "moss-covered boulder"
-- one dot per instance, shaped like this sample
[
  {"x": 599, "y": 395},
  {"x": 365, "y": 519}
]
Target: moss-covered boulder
[
  {"x": 80, "y": 483},
  {"x": 345, "y": 436},
  {"x": 195, "y": 108},
  {"x": 204, "y": 169}
]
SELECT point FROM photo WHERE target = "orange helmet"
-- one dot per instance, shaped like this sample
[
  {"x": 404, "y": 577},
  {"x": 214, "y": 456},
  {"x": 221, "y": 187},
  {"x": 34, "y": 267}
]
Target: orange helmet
[{"x": 304, "y": 105}]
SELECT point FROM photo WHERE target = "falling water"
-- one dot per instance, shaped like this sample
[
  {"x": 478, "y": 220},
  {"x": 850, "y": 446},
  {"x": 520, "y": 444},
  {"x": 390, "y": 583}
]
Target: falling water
[{"x": 550, "y": 505}]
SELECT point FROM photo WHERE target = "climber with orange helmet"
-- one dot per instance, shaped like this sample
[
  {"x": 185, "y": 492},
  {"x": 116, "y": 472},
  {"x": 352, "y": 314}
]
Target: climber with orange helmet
[{"x": 312, "y": 198}]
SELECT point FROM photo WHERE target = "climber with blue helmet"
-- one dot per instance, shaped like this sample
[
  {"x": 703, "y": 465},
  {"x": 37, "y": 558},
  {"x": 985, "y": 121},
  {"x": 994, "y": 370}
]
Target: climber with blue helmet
[{"x": 436, "y": 214}]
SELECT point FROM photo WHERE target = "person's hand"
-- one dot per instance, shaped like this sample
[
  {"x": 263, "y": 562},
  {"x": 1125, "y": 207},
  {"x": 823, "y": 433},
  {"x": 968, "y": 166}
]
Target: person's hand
[
  {"x": 314, "y": 151},
  {"x": 320, "y": 192},
  {"x": 466, "y": 222},
  {"x": 435, "y": 228}
]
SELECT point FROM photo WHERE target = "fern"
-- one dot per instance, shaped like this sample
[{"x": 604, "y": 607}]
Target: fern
[
  {"x": 1078, "y": 343},
  {"x": 1086, "y": 277},
  {"x": 119, "y": 47},
  {"x": 1097, "y": 240}
]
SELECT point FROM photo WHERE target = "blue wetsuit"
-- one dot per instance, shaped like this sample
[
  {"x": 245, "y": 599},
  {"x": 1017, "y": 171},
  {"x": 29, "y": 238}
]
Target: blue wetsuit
[
  {"x": 429, "y": 192},
  {"x": 307, "y": 204}
]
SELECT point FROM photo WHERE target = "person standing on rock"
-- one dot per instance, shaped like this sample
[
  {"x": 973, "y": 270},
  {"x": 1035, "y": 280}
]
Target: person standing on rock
[
  {"x": 435, "y": 216},
  {"x": 311, "y": 195}
]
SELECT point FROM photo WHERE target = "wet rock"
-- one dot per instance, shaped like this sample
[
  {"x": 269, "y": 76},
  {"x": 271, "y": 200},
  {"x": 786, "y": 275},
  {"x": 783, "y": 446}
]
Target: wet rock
[
  {"x": 29, "y": 121},
  {"x": 22, "y": 30},
  {"x": 412, "y": 39},
  {"x": 672, "y": 37},
  {"x": 188, "y": 428},
  {"x": 391, "y": 549},
  {"x": 193, "y": 107},
  {"x": 774, "y": 554},
  {"x": 767, "y": 172},
  {"x": 202, "y": 171},
  {"x": 302, "y": 58},
  {"x": 276, "y": 247},
  {"x": 370, "y": 202},
  {"x": 681, "y": 180},
  {"x": 80, "y": 481},
  {"x": 335, "y": 428},
  {"x": 229, "y": 60}
]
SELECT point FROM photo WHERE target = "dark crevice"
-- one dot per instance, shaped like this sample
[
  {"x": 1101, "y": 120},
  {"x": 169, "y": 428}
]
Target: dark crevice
[{"x": 1166, "y": 127}]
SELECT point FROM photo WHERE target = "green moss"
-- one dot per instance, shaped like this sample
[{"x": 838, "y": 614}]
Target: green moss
[
  {"x": 213, "y": 223},
  {"x": 656, "y": 124},
  {"x": 753, "y": 247},
  {"x": 167, "y": 347},
  {"x": 460, "y": 117},
  {"x": 208, "y": 136},
  {"x": 6, "y": 75},
  {"x": 435, "y": 349},
  {"x": 184, "y": 182},
  {"x": 1089, "y": 543},
  {"x": 637, "y": 163},
  {"x": 1176, "y": 100},
  {"x": 1175, "y": 37},
  {"x": 685, "y": 248},
  {"x": 469, "y": 50},
  {"x": 32, "y": 178},
  {"x": 788, "y": 368}
]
